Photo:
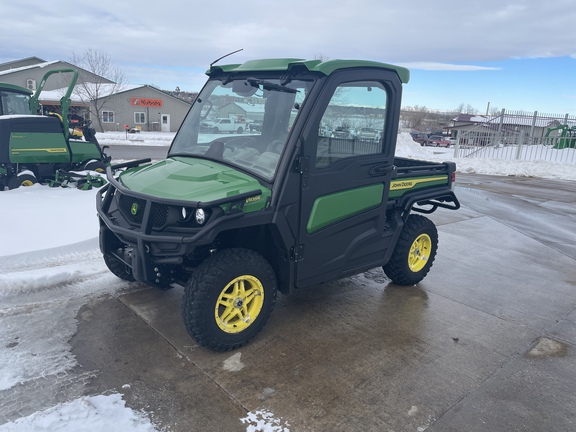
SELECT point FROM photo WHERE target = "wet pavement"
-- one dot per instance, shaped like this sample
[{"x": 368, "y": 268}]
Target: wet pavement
[{"x": 487, "y": 342}]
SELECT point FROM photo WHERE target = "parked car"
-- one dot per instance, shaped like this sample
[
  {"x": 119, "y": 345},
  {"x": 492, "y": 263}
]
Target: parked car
[
  {"x": 368, "y": 134},
  {"x": 344, "y": 132},
  {"x": 206, "y": 126},
  {"x": 438, "y": 141},
  {"x": 420, "y": 138}
]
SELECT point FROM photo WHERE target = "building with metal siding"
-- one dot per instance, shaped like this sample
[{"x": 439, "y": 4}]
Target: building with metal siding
[{"x": 145, "y": 108}]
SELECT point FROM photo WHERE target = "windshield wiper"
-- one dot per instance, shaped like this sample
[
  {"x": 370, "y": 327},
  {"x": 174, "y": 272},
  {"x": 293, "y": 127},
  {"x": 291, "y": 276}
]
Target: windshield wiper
[{"x": 267, "y": 85}]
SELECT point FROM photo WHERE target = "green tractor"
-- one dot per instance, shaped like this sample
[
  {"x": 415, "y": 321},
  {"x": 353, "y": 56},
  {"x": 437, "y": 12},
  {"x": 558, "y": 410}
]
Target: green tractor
[
  {"x": 565, "y": 138},
  {"x": 37, "y": 148}
]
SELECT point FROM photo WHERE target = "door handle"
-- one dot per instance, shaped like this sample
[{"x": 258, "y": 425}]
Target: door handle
[{"x": 379, "y": 170}]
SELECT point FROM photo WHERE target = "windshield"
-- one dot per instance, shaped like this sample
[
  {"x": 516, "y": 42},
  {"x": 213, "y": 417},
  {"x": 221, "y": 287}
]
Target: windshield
[
  {"x": 14, "y": 103},
  {"x": 243, "y": 122}
]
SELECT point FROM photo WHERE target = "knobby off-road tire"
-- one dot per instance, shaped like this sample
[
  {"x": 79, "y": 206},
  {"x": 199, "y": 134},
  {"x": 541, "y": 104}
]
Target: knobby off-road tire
[
  {"x": 228, "y": 299},
  {"x": 118, "y": 268},
  {"x": 414, "y": 253}
]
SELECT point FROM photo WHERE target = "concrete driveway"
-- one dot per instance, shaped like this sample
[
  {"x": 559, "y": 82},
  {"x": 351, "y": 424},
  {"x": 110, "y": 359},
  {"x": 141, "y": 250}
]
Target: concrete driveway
[{"x": 487, "y": 342}]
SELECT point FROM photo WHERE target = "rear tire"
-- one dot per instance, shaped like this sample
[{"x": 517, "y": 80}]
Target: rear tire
[
  {"x": 22, "y": 180},
  {"x": 414, "y": 253},
  {"x": 228, "y": 299}
]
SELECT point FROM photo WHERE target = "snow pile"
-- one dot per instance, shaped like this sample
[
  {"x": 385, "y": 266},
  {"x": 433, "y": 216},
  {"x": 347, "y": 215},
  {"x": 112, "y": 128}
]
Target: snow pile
[
  {"x": 142, "y": 138},
  {"x": 39, "y": 217},
  {"x": 521, "y": 168},
  {"x": 407, "y": 147},
  {"x": 87, "y": 414}
]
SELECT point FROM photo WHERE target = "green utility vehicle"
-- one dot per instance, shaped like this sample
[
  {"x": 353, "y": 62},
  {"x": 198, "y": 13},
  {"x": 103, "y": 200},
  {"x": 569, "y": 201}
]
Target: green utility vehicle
[
  {"x": 36, "y": 148},
  {"x": 236, "y": 218}
]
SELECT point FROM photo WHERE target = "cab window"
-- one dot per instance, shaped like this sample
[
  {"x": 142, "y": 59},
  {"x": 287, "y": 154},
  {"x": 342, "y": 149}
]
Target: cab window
[{"x": 353, "y": 123}]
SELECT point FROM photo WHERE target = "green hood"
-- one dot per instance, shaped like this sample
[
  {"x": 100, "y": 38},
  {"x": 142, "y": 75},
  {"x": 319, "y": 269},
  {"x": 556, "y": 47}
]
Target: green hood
[{"x": 184, "y": 178}]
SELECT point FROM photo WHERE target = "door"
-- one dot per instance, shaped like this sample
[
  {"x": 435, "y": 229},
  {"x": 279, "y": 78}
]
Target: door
[
  {"x": 346, "y": 180},
  {"x": 165, "y": 122}
]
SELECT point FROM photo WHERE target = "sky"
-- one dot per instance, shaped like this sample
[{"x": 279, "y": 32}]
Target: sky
[
  {"x": 518, "y": 55},
  {"x": 51, "y": 266}
]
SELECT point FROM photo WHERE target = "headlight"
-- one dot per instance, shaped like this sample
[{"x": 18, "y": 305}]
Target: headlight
[{"x": 200, "y": 216}]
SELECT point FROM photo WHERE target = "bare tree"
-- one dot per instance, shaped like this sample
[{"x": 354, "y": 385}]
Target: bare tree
[
  {"x": 415, "y": 116},
  {"x": 466, "y": 109},
  {"x": 96, "y": 89}
]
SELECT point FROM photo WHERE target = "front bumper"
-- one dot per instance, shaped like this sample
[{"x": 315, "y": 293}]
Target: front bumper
[{"x": 148, "y": 234}]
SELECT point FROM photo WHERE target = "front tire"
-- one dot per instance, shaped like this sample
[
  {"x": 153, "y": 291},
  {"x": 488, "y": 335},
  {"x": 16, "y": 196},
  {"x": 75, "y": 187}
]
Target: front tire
[
  {"x": 229, "y": 299},
  {"x": 414, "y": 253}
]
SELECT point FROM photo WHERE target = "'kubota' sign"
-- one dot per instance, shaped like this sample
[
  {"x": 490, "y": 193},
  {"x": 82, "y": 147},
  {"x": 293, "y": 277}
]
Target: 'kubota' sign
[{"x": 143, "y": 102}]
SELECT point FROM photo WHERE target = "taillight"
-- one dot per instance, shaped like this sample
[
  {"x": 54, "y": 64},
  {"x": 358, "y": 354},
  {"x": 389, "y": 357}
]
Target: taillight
[{"x": 453, "y": 180}]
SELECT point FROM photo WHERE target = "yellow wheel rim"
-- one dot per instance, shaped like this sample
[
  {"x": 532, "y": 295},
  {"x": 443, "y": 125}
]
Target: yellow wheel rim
[
  {"x": 239, "y": 304},
  {"x": 419, "y": 252},
  {"x": 27, "y": 183}
]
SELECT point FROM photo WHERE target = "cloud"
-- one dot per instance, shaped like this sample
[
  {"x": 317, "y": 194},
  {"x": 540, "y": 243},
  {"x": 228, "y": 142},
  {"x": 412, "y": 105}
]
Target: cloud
[{"x": 440, "y": 35}]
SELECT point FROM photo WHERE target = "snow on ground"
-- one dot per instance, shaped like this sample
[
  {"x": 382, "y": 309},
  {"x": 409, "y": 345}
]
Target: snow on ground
[
  {"x": 406, "y": 147},
  {"x": 50, "y": 266},
  {"x": 86, "y": 414},
  {"x": 142, "y": 138}
]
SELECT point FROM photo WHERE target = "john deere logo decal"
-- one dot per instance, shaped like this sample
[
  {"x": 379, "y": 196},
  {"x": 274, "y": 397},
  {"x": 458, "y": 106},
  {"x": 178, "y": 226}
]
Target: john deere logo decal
[{"x": 134, "y": 209}]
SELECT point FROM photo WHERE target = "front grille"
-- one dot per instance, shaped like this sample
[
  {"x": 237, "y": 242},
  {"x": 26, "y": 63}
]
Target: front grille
[
  {"x": 159, "y": 215},
  {"x": 133, "y": 210}
]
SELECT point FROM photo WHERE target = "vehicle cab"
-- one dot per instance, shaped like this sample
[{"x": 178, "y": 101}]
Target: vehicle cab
[{"x": 14, "y": 100}]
